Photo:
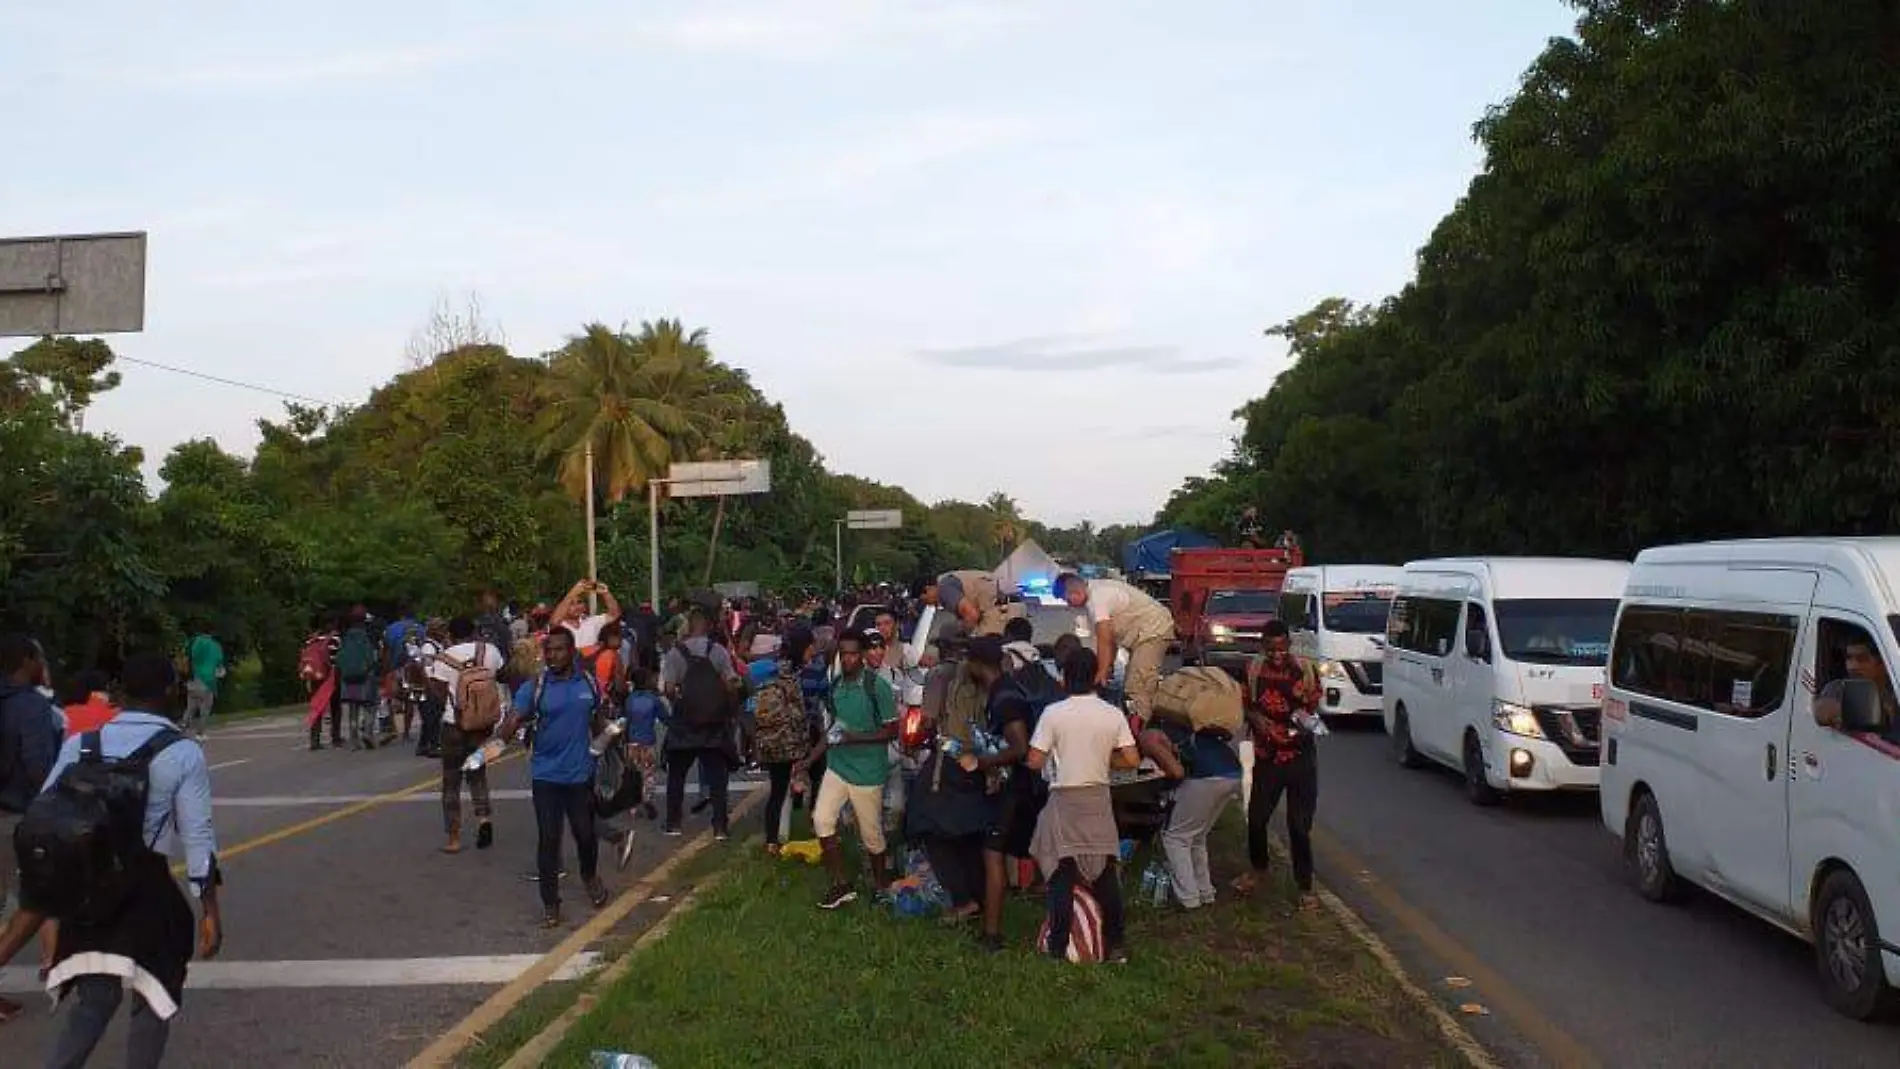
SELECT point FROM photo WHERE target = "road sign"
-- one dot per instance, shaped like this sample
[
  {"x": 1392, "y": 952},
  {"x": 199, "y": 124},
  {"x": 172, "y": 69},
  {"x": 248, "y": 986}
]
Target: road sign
[
  {"x": 712, "y": 478},
  {"x": 874, "y": 519},
  {"x": 72, "y": 284}
]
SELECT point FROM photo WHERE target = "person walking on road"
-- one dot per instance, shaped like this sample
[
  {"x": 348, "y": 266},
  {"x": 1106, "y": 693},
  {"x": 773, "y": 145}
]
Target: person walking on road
[
  {"x": 145, "y": 945},
  {"x": 699, "y": 680},
  {"x": 29, "y": 744},
  {"x": 1126, "y": 618},
  {"x": 564, "y": 703},
  {"x": 206, "y": 659},
  {"x": 356, "y": 669},
  {"x": 1282, "y": 696},
  {"x": 1079, "y": 740},
  {"x": 452, "y": 676}
]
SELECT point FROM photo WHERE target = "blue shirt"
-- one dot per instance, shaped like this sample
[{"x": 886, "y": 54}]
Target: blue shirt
[
  {"x": 396, "y": 636},
  {"x": 179, "y": 791},
  {"x": 1206, "y": 756},
  {"x": 564, "y": 726},
  {"x": 644, "y": 712}
]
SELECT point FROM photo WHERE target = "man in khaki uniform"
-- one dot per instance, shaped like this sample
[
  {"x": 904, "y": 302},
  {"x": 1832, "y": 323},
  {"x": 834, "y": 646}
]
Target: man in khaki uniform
[
  {"x": 1123, "y": 616},
  {"x": 975, "y": 599}
]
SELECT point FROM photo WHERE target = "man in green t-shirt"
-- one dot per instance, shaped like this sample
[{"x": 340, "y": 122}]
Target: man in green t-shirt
[
  {"x": 856, "y": 749},
  {"x": 201, "y": 690}
]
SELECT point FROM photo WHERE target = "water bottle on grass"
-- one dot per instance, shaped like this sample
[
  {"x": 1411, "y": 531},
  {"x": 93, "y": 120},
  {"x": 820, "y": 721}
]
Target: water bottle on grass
[{"x": 613, "y": 1059}]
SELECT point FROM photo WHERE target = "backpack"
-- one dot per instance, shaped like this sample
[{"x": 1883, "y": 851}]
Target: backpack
[
  {"x": 1037, "y": 688},
  {"x": 313, "y": 664},
  {"x": 80, "y": 843},
  {"x": 356, "y": 658},
  {"x": 476, "y": 694},
  {"x": 705, "y": 702},
  {"x": 783, "y": 731},
  {"x": 1203, "y": 698}
]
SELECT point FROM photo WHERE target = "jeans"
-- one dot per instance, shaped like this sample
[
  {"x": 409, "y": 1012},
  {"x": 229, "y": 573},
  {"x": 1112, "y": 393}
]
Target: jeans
[
  {"x": 430, "y": 737},
  {"x": 553, "y": 804},
  {"x": 1107, "y": 890},
  {"x": 1298, "y": 779},
  {"x": 90, "y": 1006},
  {"x": 712, "y": 762},
  {"x": 456, "y": 746},
  {"x": 780, "y": 773},
  {"x": 1198, "y": 803}
]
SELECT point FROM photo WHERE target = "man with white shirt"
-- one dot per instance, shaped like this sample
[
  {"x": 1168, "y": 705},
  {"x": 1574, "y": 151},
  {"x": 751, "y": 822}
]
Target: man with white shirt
[
  {"x": 571, "y": 612},
  {"x": 1078, "y": 741},
  {"x": 466, "y": 649},
  {"x": 1123, "y": 617}
]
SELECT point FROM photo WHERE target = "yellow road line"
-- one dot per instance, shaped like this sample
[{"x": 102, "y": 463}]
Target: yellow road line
[
  {"x": 1518, "y": 1008},
  {"x": 453, "y": 1042},
  {"x": 303, "y": 826}
]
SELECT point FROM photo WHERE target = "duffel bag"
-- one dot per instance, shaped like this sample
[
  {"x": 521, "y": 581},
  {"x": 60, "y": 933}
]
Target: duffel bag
[{"x": 1203, "y": 698}]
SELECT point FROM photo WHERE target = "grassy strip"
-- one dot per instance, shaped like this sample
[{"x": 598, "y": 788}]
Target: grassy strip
[{"x": 757, "y": 975}]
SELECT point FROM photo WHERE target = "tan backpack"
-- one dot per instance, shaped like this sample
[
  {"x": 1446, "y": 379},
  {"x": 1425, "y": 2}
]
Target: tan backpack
[{"x": 477, "y": 696}]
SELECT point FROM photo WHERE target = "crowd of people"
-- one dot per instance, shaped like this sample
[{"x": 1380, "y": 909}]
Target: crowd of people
[{"x": 922, "y": 722}]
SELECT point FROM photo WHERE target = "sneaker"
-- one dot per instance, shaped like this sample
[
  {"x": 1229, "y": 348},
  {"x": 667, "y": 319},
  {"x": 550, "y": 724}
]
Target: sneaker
[
  {"x": 838, "y": 897},
  {"x": 484, "y": 835},
  {"x": 551, "y": 917},
  {"x": 597, "y": 892},
  {"x": 624, "y": 850},
  {"x": 534, "y": 877},
  {"x": 1117, "y": 956},
  {"x": 721, "y": 835},
  {"x": 672, "y": 831}
]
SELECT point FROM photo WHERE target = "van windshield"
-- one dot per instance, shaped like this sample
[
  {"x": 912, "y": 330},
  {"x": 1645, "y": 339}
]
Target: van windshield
[
  {"x": 1573, "y": 631},
  {"x": 1357, "y": 612}
]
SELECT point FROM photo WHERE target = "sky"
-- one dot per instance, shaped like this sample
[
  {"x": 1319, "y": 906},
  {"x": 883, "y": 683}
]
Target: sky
[{"x": 1024, "y": 245}]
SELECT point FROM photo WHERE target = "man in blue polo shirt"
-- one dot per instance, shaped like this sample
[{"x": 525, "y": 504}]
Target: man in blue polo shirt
[{"x": 565, "y": 705}]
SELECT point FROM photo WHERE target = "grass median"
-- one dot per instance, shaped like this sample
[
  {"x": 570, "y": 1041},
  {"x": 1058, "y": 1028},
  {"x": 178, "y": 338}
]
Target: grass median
[{"x": 756, "y": 974}]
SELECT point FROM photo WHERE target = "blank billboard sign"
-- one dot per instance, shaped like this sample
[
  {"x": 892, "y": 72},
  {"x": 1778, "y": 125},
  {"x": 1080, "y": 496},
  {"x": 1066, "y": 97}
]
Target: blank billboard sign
[{"x": 72, "y": 284}]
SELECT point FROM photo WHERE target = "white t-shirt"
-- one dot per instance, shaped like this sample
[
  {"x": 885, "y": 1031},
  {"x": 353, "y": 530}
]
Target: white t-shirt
[
  {"x": 587, "y": 630},
  {"x": 1080, "y": 734},
  {"x": 464, "y": 654}
]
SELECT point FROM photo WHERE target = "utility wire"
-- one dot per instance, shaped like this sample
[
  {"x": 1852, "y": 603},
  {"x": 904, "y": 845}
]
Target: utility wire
[{"x": 227, "y": 382}]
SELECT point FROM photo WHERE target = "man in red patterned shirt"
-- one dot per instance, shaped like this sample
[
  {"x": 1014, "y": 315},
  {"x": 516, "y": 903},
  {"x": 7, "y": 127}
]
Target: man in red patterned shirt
[{"x": 1282, "y": 696}]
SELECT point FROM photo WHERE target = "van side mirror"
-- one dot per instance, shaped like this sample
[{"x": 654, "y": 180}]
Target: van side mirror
[
  {"x": 1478, "y": 645},
  {"x": 1860, "y": 705}
]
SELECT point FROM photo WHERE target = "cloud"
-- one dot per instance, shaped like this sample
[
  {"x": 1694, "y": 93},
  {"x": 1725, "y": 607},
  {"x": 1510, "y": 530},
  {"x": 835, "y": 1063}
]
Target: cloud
[
  {"x": 1054, "y": 353},
  {"x": 816, "y": 29}
]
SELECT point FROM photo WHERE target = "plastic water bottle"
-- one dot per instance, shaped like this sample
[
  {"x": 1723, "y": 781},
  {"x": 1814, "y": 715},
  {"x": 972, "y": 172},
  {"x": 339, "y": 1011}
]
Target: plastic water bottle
[
  {"x": 613, "y": 1059},
  {"x": 605, "y": 740},
  {"x": 483, "y": 754},
  {"x": 1155, "y": 881},
  {"x": 835, "y": 737}
]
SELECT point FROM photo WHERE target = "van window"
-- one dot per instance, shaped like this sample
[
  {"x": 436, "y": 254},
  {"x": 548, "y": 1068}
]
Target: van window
[
  {"x": 1573, "y": 631},
  {"x": 1398, "y": 624},
  {"x": 1832, "y": 662},
  {"x": 1433, "y": 626},
  {"x": 1293, "y": 610},
  {"x": 1733, "y": 663},
  {"x": 1356, "y": 612}
]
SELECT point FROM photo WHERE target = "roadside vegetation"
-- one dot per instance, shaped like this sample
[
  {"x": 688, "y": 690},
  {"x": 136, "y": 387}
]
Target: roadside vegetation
[{"x": 757, "y": 975}]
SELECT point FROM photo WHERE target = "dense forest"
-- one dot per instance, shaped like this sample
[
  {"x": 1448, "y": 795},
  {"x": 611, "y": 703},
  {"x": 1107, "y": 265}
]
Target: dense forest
[
  {"x": 456, "y": 475},
  {"x": 1665, "y": 309}
]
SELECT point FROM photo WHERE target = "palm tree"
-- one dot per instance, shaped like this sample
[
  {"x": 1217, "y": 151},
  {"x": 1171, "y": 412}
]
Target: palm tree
[
  {"x": 1005, "y": 520},
  {"x": 621, "y": 407}
]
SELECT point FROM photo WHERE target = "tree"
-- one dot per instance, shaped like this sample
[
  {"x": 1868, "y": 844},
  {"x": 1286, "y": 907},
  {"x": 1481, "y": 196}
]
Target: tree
[
  {"x": 73, "y": 370},
  {"x": 450, "y": 329}
]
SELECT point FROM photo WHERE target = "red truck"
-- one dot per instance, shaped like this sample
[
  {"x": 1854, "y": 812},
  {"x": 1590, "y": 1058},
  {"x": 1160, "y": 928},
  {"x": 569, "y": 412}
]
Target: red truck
[{"x": 1222, "y": 597}]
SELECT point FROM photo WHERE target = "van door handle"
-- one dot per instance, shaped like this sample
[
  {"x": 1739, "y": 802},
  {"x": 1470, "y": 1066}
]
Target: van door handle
[{"x": 1771, "y": 761}]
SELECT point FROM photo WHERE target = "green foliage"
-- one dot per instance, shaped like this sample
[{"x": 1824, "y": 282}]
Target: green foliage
[{"x": 1664, "y": 310}]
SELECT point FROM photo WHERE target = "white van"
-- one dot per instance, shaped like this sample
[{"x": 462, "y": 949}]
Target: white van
[
  {"x": 1337, "y": 615},
  {"x": 1494, "y": 667},
  {"x": 1715, "y": 769}
]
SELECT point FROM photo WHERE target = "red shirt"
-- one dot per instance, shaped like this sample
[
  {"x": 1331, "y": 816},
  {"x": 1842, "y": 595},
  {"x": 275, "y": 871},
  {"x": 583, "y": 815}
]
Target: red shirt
[{"x": 89, "y": 716}]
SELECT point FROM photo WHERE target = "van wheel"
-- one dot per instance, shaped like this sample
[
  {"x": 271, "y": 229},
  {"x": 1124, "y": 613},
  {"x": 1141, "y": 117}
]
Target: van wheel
[
  {"x": 1403, "y": 751},
  {"x": 1646, "y": 848},
  {"x": 1847, "y": 950},
  {"x": 1477, "y": 787}
]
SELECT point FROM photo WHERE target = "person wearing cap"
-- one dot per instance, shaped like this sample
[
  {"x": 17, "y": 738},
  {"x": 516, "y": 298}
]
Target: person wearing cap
[{"x": 973, "y": 597}]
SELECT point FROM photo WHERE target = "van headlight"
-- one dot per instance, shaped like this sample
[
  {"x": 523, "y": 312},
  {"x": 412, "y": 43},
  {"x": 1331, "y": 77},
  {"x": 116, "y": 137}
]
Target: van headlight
[
  {"x": 1332, "y": 670},
  {"x": 1515, "y": 719},
  {"x": 1219, "y": 631}
]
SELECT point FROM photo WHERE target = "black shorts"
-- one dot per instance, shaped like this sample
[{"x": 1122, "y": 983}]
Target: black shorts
[{"x": 1016, "y": 818}]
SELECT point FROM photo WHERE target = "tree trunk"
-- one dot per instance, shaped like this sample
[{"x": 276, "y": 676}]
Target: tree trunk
[{"x": 712, "y": 547}]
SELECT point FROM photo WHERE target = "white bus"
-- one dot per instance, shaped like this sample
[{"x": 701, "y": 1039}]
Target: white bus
[
  {"x": 1494, "y": 667},
  {"x": 1717, "y": 768},
  {"x": 1337, "y": 615}
]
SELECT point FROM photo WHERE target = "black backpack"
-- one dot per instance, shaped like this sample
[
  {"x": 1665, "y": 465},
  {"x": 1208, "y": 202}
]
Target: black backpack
[
  {"x": 705, "y": 700},
  {"x": 81, "y": 842},
  {"x": 1037, "y": 688}
]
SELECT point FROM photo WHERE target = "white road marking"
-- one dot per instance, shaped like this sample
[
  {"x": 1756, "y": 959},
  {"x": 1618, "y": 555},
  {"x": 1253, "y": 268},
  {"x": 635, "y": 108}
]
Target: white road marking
[
  {"x": 509, "y": 795},
  {"x": 228, "y": 764},
  {"x": 372, "y": 972}
]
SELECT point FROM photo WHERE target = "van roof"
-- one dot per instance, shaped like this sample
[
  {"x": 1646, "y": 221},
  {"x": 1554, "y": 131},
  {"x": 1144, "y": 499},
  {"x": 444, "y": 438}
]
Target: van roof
[
  {"x": 1346, "y": 576},
  {"x": 1536, "y": 577},
  {"x": 1878, "y": 556}
]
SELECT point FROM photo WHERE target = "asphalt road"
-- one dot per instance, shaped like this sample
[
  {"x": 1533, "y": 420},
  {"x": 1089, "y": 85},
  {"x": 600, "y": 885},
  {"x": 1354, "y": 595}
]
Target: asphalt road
[
  {"x": 1528, "y": 902},
  {"x": 349, "y": 939}
]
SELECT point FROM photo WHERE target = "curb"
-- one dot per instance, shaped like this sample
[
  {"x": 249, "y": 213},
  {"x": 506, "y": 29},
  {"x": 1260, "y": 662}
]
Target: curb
[
  {"x": 535, "y": 1051},
  {"x": 466, "y": 1032}
]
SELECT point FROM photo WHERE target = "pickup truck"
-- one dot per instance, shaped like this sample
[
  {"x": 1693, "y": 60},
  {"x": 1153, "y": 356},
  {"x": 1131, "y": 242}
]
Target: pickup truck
[
  {"x": 1228, "y": 632},
  {"x": 1197, "y": 575}
]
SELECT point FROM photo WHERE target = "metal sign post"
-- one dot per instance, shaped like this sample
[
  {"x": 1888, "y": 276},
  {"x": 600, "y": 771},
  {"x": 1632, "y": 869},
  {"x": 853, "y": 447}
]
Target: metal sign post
[
  {"x": 861, "y": 520},
  {"x": 712, "y": 478},
  {"x": 72, "y": 284}
]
